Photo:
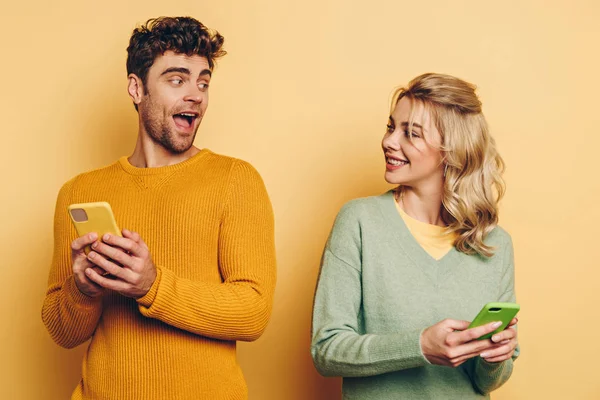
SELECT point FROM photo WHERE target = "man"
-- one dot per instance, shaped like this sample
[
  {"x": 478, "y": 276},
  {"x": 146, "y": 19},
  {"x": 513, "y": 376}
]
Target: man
[{"x": 194, "y": 272}]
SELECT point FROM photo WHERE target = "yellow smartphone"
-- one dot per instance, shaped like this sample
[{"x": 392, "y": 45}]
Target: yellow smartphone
[{"x": 93, "y": 217}]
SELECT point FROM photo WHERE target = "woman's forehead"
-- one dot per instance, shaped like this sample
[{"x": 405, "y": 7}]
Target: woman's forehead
[{"x": 408, "y": 110}]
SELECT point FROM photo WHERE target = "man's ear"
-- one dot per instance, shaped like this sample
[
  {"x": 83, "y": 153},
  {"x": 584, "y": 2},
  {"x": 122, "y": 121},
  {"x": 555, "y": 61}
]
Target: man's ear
[{"x": 135, "y": 88}]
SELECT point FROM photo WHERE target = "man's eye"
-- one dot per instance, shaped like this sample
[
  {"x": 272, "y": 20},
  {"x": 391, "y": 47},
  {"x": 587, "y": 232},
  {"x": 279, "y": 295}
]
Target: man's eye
[
  {"x": 203, "y": 86},
  {"x": 177, "y": 81}
]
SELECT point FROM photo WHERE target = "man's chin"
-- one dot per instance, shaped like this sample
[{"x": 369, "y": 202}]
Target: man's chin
[
  {"x": 175, "y": 142},
  {"x": 177, "y": 150},
  {"x": 181, "y": 147}
]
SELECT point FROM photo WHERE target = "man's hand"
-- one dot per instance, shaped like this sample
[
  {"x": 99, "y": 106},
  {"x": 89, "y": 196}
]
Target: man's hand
[
  {"x": 82, "y": 264},
  {"x": 135, "y": 274}
]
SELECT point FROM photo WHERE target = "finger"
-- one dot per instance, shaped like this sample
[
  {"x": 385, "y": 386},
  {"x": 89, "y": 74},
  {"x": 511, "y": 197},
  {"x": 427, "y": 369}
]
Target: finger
[
  {"x": 455, "y": 364},
  {"x": 136, "y": 237},
  {"x": 123, "y": 242},
  {"x": 475, "y": 347},
  {"x": 110, "y": 267},
  {"x": 455, "y": 324},
  {"x": 468, "y": 351},
  {"x": 82, "y": 241},
  {"x": 112, "y": 284},
  {"x": 513, "y": 321},
  {"x": 131, "y": 235},
  {"x": 140, "y": 240},
  {"x": 509, "y": 347},
  {"x": 500, "y": 358},
  {"x": 81, "y": 276},
  {"x": 84, "y": 280},
  {"x": 114, "y": 253},
  {"x": 479, "y": 331},
  {"x": 508, "y": 333},
  {"x": 80, "y": 262},
  {"x": 459, "y": 360},
  {"x": 458, "y": 338},
  {"x": 99, "y": 270}
]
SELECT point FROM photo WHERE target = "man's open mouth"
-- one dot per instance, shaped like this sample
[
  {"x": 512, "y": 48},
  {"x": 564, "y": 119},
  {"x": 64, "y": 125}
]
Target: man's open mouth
[{"x": 185, "y": 119}]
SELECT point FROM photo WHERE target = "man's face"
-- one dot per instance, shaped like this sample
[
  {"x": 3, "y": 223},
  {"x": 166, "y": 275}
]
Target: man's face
[{"x": 175, "y": 99}]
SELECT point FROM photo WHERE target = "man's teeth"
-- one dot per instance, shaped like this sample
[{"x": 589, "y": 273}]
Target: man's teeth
[
  {"x": 393, "y": 161},
  {"x": 187, "y": 114}
]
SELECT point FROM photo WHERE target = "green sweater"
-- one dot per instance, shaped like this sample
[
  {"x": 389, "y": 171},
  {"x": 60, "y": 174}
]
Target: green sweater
[{"x": 377, "y": 291}]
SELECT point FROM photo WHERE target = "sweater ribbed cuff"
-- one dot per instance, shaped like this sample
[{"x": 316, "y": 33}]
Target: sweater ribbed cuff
[
  {"x": 78, "y": 298},
  {"x": 491, "y": 370},
  {"x": 147, "y": 300}
]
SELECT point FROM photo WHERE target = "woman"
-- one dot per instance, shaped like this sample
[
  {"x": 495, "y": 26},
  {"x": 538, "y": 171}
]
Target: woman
[{"x": 404, "y": 272}]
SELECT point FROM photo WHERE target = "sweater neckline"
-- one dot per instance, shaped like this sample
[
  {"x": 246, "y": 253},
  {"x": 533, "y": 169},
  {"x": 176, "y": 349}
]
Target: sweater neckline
[
  {"x": 413, "y": 249},
  {"x": 168, "y": 169}
]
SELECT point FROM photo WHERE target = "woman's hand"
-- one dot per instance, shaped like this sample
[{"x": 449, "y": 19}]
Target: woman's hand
[
  {"x": 507, "y": 339},
  {"x": 451, "y": 343}
]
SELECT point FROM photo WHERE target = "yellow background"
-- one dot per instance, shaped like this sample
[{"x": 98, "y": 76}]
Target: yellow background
[{"x": 303, "y": 95}]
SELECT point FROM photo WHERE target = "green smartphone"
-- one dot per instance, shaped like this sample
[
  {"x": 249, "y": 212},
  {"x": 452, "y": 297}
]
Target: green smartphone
[{"x": 491, "y": 312}]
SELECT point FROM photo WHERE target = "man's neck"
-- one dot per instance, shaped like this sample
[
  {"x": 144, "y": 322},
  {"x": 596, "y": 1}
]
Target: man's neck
[{"x": 148, "y": 154}]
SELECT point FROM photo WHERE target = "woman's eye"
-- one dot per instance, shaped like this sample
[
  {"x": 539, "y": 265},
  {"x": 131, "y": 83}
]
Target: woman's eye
[
  {"x": 412, "y": 134},
  {"x": 390, "y": 128}
]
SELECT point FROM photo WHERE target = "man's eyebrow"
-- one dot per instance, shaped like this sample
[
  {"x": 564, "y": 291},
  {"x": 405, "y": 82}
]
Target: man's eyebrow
[
  {"x": 185, "y": 71},
  {"x": 180, "y": 70}
]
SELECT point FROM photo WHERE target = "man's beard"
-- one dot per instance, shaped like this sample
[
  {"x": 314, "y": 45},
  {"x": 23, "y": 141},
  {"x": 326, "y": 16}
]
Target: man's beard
[{"x": 159, "y": 131}]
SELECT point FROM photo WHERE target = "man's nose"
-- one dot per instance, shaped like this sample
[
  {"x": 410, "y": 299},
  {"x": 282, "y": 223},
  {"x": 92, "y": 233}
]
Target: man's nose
[{"x": 194, "y": 94}]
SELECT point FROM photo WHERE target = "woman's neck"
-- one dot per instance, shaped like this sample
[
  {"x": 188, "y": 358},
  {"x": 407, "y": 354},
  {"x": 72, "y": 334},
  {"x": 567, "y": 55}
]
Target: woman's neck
[{"x": 422, "y": 205}]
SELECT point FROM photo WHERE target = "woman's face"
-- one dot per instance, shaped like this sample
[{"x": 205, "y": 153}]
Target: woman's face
[{"x": 412, "y": 158}]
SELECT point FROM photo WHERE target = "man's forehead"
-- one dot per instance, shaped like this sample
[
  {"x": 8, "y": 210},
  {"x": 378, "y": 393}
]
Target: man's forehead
[{"x": 171, "y": 59}]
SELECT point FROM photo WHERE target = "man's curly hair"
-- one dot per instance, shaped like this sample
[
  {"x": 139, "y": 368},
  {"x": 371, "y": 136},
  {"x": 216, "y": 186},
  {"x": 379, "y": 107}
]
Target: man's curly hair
[{"x": 183, "y": 35}]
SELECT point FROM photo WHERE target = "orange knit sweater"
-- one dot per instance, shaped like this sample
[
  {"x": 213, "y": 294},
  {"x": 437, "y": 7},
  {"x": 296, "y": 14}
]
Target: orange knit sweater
[{"x": 208, "y": 224}]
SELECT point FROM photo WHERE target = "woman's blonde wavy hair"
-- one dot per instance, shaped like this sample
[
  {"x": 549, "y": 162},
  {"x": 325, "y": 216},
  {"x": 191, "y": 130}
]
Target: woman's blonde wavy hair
[{"x": 473, "y": 183}]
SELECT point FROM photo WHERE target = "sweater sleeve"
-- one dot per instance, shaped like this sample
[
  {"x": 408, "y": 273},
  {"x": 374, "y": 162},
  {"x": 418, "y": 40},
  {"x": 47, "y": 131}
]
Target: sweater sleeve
[
  {"x": 70, "y": 316},
  {"x": 239, "y": 307},
  {"x": 339, "y": 345},
  {"x": 486, "y": 376}
]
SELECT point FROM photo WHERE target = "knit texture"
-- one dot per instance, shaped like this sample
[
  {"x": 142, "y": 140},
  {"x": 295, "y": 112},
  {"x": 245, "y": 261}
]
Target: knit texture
[
  {"x": 379, "y": 289},
  {"x": 208, "y": 223}
]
